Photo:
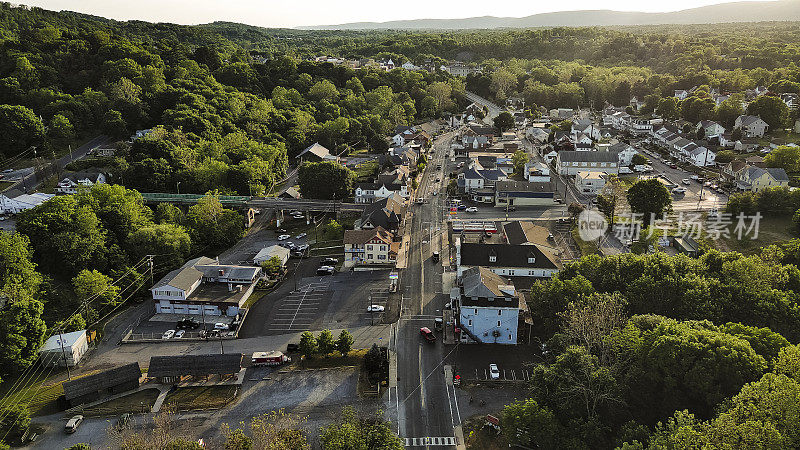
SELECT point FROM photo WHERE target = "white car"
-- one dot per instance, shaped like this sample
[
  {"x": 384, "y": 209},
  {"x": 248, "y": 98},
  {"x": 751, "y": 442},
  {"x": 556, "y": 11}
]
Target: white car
[
  {"x": 168, "y": 334},
  {"x": 301, "y": 236},
  {"x": 220, "y": 326},
  {"x": 472, "y": 209},
  {"x": 679, "y": 190},
  {"x": 375, "y": 308},
  {"x": 494, "y": 372},
  {"x": 283, "y": 237},
  {"x": 686, "y": 181},
  {"x": 180, "y": 334},
  {"x": 695, "y": 177}
]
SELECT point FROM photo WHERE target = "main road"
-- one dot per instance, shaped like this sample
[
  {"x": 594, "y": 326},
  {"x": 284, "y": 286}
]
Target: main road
[
  {"x": 494, "y": 110},
  {"x": 422, "y": 401}
]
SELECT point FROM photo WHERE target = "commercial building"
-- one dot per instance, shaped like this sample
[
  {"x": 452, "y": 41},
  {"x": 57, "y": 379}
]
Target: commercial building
[{"x": 488, "y": 307}]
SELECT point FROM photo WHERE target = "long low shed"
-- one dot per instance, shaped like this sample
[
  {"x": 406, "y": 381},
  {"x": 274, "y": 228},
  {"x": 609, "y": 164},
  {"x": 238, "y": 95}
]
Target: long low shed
[
  {"x": 169, "y": 368},
  {"x": 102, "y": 384}
]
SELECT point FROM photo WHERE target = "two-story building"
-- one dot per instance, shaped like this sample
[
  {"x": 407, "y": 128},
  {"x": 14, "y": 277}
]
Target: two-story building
[
  {"x": 72, "y": 182},
  {"x": 710, "y": 128},
  {"x": 374, "y": 246},
  {"x": 756, "y": 179},
  {"x": 508, "y": 260},
  {"x": 572, "y": 162},
  {"x": 204, "y": 286},
  {"x": 370, "y": 192},
  {"x": 488, "y": 307},
  {"x": 590, "y": 182},
  {"x": 751, "y": 126}
]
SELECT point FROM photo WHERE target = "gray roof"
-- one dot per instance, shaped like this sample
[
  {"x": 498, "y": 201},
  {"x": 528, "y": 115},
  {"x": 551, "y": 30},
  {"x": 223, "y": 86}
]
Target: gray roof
[
  {"x": 195, "y": 365},
  {"x": 748, "y": 120},
  {"x": 681, "y": 142},
  {"x": 101, "y": 381},
  {"x": 619, "y": 146},
  {"x": 480, "y": 284},
  {"x": 317, "y": 150},
  {"x": 185, "y": 276},
  {"x": 576, "y": 156}
]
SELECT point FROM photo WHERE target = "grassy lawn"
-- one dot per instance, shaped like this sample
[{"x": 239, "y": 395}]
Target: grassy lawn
[
  {"x": 137, "y": 402},
  {"x": 354, "y": 358},
  {"x": 40, "y": 393},
  {"x": 201, "y": 397},
  {"x": 771, "y": 230},
  {"x": 366, "y": 172},
  {"x": 256, "y": 296},
  {"x": 586, "y": 248}
]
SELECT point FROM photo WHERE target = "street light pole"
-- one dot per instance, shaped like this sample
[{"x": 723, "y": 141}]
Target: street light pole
[{"x": 178, "y": 187}]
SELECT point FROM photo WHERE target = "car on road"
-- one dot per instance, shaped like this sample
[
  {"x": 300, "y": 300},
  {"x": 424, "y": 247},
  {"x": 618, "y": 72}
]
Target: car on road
[
  {"x": 329, "y": 261},
  {"x": 512, "y": 208},
  {"x": 673, "y": 166},
  {"x": 686, "y": 181},
  {"x": 325, "y": 270},
  {"x": 220, "y": 326},
  {"x": 427, "y": 334},
  {"x": 438, "y": 179},
  {"x": 461, "y": 207},
  {"x": 283, "y": 237},
  {"x": 435, "y": 257},
  {"x": 179, "y": 334},
  {"x": 73, "y": 424},
  {"x": 375, "y": 308},
  {"x": 494, "y": 372},
  {"x": 679, "y": 190},
  {"x": 435, "y": 193},
  {"x": 168, "y": 334},
  {"x": 8, "y": 170},
  {"x": 290, "y": 348},
  {"x": 695, "y": 177},
  {"x": 301, "y": 236},
  {"x": 472, "y": 209}
]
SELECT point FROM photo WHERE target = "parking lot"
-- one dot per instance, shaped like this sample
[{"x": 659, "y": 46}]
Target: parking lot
[{"x": 514, "y": 361}]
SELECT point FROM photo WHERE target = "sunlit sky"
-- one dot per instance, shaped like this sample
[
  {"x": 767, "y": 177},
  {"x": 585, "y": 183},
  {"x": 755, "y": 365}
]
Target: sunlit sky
[{"x": 289, "y": 13}]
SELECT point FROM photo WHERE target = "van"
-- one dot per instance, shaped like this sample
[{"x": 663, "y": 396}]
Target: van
[{"x": 435, "y": 257}]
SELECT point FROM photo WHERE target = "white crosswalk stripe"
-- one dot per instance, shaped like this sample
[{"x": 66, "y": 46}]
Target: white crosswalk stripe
[{"x": 447, "y": 441}]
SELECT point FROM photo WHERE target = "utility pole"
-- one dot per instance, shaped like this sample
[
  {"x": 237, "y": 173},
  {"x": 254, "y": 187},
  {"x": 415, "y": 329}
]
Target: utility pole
[{"x": 64, "y": 354}]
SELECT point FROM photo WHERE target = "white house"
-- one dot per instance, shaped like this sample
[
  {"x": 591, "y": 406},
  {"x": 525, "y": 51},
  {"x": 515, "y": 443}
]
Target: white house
[
  {"x": 488, "y": 308},
  {"x": 590, "y": 182},
  {"x": 586, "y": 127},
  {"x": 537, "y": 172},
  {"x": 625, "y": 152},
  {"x": 582, "y": 142},
  {"x": 507, "y": 260},
  {"x": 74, "y": 181},
  {"x": 711, "y": 128},
  {"x": 681, "y": 94},
  {"x": 370, "y": 192},
  {"x": 267, "y": 253},
  {"x": 751, "y": 126},
  {"x": 700, "y": 156},
  {"x": 369, "y": 247},
  {"x": 408, "y": 65},
  {"x": 203, "y": 286},
  {"x": 64, "y": 349},
  {"x": 22, "y": 202}
]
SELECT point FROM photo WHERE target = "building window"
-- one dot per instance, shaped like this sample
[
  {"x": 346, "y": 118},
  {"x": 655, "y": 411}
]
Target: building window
[
  {"x": 369, "y": 256},
  {"x": 499, "y": 312},
  {"x": 469, "y": 322},
  {"x": 369, "y": 247},
  {"x": 531, "y": 260},
  {"x": 498, "y": 323},
  {"x": 492, "y": 258},
  {"x": 476, "y": 311}
]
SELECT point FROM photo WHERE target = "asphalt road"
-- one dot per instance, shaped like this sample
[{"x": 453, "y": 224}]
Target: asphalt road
[
  {"x": 424, "y": 408},
  {"x": 494, "y": 110}
]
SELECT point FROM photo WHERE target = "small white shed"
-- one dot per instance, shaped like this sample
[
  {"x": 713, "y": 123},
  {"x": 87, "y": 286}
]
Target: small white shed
[
  {"x": 64, "y": 349},
  {"x": 268, "y": 253}
]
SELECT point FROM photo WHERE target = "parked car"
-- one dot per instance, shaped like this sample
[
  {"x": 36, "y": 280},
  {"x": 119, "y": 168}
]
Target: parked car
[
  {"x": 220, "y": 326},
  {"x": 73, "y": 424},
  {"x": 494, "y": 372},
  {"x": 375, "y": 308},
  {"x": 695, "y": 177},
  {"x": 283, "y": 237},
  {"x": 179, "y": 334},
  {"x": 168, "y": 334},
  {"x": 187, "y": 323},
  {"x": 427, "y": 334},
  {"x": 472, "y": 209},
  {"x": 673, "y": 166},
  {"x": 438, "y": 324},
  {"x": 301, "y": 236},
  {"x": 461, "y": 207},
  {"x": 325, "y": 270},
  {"x": 686, "y": 181}
]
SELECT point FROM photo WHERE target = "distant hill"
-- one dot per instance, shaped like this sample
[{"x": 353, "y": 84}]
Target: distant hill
[{"x": 781, "y": 10}]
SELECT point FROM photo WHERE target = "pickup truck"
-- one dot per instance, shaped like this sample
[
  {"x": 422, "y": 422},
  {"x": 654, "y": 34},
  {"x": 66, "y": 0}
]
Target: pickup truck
[{"x": 273, "y": 358}]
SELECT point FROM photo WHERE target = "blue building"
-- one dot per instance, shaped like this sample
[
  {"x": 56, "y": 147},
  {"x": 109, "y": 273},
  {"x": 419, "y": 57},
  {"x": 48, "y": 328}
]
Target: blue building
[{"x": 488, "y": 307}]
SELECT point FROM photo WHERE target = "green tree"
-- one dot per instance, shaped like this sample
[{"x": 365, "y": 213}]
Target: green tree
[
  {"x": 170, "y": 243},
  {"x": 93, "y": 286},
  {"x": 725, "y": 156},
  {"x": 784, "y": 157},
  {"x": 649, "y": 198},
  {"x": 668, "y": 108},
  {"x": 272, "y": 266},
  {"x": 81, "y": 446},
  {"x": 113, "y": 124},
  {"x": 525, "y": 423},
  {"x": 18, "y": 277},
  {"x": 504, "y": 121},
  {"x": 607, "y": 204},
  {"x": 519, "y": 160},
  {"x": 325, "y": 180},
  {"x": 727, "y": 112},
  {"x": 15, "y": 419},
  {"x": 169, "y": 213},
  {"x": 21, "y": 334},
  {"x": 325, "y": 342},
  {"x": 211, "y": 225},
  {"x": 323, "y": 90},
  {"x": 344, "y": 343},
  {"x": 308, "y": 344},
  {"x": 60, "y": 132},
  {"x": 771, "y": 109},
  {"x": 352, "y": 432},
  {"x": 20, "y": 128},
  {"x": 639, "y": 159}
]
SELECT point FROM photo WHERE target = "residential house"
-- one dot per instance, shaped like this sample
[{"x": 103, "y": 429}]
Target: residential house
[
  {"x": 639, "y": 126},
  {"x": 751, "y": 126},
  {"x": 386, "y": 213},
  {"x": 746, "y": 145},
  {"x": 537, "y": 172},
  {"x": 624, "y": 151},
  {"x": 16, "y": 205},
  {"x": 72, "y": 182},
  {"x": 756, "y": 179},
  {"x": 474, "y": 177},
  {"x": 583, "y": 142},
  {"x": 523, "y": 193},
  {"x": 488, "y": 308},
  {"x": 733, "y": 169},
  {"x": 586, "y": 127},
  {"x": 710, "y": 127},
  {"x": 755, "y": 160},
  {"x": 681, "y": 94},
  {"x": 290, "y": 192},
  {"x": 562, "y": 113},
  {"x": 537, "y": 134},
  {"x": 525, "y": 232},
  {"x": 590, "y": 182},
  {"x": 204, "y": 286},
  {"x": 369, "y": 192},
  {"x": 458, "y": 69},
  {"x": 507, "y": 260},
  {"x": 316, "y": 153},
  {"x": 408, "y": 65},
  {"x": 572, "y": 162},
  {"x": 369, "y": 247},
  {"x": 700, "y": 156}
]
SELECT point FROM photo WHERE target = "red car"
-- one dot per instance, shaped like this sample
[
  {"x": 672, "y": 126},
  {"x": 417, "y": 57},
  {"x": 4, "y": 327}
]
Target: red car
[{"x": 427, "y": 334}]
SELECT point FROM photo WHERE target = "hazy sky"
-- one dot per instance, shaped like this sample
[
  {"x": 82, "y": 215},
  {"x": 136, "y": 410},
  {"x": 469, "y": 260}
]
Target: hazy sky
[{"x": 291, "y": 13}]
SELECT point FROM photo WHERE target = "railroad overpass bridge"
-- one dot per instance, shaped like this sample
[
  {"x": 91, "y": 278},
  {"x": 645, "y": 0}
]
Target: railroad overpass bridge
[{"x": 243, "y": 201}]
